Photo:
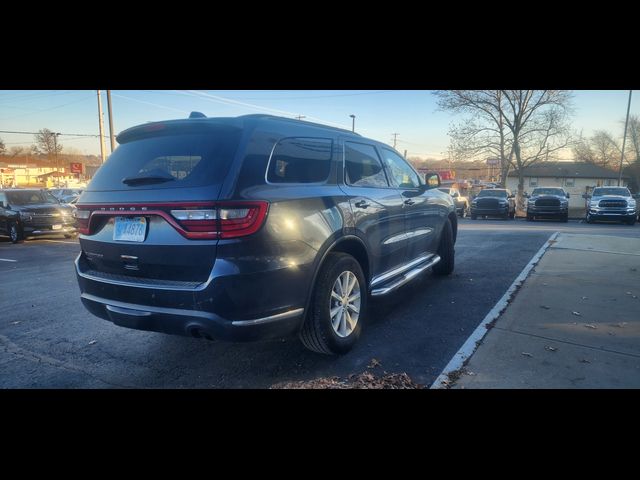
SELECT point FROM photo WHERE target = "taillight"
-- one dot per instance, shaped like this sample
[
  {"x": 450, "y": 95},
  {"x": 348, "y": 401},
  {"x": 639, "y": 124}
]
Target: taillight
[
  {"x": 82, "y": 218},
  {"x": 193, "y": 220},
  {"x": 241, "y": 219}
]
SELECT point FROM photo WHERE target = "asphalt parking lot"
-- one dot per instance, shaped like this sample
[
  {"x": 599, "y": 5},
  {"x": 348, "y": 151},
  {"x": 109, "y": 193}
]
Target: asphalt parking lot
[{"x": 48, "y": 340}]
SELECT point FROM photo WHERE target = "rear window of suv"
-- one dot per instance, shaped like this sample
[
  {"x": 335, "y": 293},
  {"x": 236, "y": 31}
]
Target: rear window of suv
[{"x": 174, "y": 160}]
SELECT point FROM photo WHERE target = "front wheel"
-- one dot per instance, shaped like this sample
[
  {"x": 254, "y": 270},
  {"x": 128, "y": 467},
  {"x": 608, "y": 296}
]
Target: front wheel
[
  {"x": 15, "y": 234},
  {"x": 338, "y": 306},
  {"x": 446, "y": 250}
]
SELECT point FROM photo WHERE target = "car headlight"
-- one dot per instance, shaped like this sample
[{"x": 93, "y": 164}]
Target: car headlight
[
  {"x": 25, "y": 216},
  {"x": 593, "y": 204},
  {"x": 631, "y": 204}
]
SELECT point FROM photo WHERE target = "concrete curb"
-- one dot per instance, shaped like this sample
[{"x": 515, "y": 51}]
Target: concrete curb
[{"x": 470, "y": 346}]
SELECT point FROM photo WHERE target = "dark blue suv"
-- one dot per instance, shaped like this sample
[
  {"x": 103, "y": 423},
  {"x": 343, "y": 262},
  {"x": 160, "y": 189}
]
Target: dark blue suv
[{"x": 254, "y": 227}]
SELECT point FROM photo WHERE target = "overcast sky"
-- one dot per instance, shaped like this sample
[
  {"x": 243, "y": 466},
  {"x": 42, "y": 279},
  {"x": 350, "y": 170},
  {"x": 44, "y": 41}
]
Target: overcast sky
[{"x": 413, "y": 115}]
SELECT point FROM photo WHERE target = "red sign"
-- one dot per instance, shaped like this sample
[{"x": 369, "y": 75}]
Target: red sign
[
  {"x": 76, "y": 167},
  {"x": 447, "y": 174}
]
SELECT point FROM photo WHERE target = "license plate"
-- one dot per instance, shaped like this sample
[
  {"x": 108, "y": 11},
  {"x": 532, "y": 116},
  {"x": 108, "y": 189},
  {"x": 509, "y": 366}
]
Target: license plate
[
  {"x": 56, "y": 227},
  {"x": 130, "y": 229}
]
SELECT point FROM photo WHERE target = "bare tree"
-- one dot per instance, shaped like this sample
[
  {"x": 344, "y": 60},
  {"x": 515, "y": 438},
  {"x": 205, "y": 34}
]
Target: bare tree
[
  {"x": 3, "y": 148},
  {"x": 47, "y": 143},
  {"x": 606, "y": 149},
  {"x": 634, "y": 136},
  {"x": 582, "y": 151},
  {"x": 484, "y": 132},
  {"x": 17, "y": 150}
]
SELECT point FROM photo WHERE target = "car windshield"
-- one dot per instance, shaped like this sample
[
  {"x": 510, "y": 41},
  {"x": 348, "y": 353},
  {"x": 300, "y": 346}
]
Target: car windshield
[
  {"x": 493, "y": 193},
  {"x": 548, "y": 191},
  {"x": 598, "y": 192},
  {"x": 32, "y": 197},
  {"x": 445, "y": 190}
]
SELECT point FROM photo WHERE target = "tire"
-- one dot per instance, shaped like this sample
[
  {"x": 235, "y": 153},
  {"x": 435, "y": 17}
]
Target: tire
[
  {"x": 588, "y": 218},
  {"x": 318, "y": 333},
  {"x": 529, "y": 218},
  {"x": 564, "y": 218},
  {"x": 474, "y": 217},
  {"x": 70, "y": 235},
  {"x": 15, "y": 234},
  {"x": 631, "y": 222},
  {"x": 446, "y": 250}
]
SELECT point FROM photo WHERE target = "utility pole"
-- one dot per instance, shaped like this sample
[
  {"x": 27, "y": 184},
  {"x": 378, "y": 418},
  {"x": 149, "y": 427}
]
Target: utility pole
[
  {"x": 353, "y": 123},
  {"x": 624, "y": 140},
  {"x": 300, "y": 117},
  {"x": 112, "y": 137},
  {"x": 395, "y": 136},
  {"x": 405, "y": 154},
  {"x": 101, "y": 124},
  {"x": 55, "y": 152}
]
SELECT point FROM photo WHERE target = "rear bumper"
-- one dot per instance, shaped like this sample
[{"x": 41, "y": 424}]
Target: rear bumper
[
  {"x": 232, "y": 307},
  {"x": 192, "y": 323}
]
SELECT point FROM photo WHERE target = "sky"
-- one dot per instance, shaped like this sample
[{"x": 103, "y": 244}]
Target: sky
[{"x": 412, "y": 114}]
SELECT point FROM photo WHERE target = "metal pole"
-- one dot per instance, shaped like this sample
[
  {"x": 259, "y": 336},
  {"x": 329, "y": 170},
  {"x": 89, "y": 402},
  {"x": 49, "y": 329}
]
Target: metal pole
[
  {"x": 353, "y": 123},
  {"x": 101, "y": 124},
  {"x": 624, "y": 139},
  {"x": 112, "y": 137},
  {"x": 55, "y": 152}
]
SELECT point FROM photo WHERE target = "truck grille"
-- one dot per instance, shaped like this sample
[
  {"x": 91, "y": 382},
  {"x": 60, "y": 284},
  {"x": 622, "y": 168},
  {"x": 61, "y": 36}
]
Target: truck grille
[
  {"x": 548, "y": 202},
  {"x": 488, "y": 203},
  {"x": 613, "y": 203}
]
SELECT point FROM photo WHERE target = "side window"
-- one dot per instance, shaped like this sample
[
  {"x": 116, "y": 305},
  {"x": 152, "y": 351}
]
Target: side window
[
  {"x": 402, "y": 175},
  {"x": 363, "y": 167},
  {"x": 300, "y": 160},
  {"x": 533, "y": 181},
  {"x": 569, "y": 182}
]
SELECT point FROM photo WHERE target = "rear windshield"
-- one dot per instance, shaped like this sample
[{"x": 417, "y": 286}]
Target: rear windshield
[
  {"x": 174, "y": 160},
  {"x": 493, "y": 193},
  {"x": 31, "y": 197},
  {"x": 598, "y": 192}
]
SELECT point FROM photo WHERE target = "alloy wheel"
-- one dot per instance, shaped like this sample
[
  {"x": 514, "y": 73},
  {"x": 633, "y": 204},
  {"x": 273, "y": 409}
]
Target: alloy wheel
[{"x": 344, "y": 305}]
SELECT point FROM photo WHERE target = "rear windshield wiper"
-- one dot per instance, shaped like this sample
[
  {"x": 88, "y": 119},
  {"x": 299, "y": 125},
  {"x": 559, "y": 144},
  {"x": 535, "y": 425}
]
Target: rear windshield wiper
[{"x": 139, "y": 180}]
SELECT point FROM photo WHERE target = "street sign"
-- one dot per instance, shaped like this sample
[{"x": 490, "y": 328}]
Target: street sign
[
  {"x": 76, "y": 167},
  {"x": 492, "y": 162}
]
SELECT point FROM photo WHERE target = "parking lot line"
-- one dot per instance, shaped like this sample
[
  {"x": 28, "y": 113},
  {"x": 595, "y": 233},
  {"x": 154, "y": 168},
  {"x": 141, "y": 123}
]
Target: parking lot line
[
  {"x": 7, "y": 260},
  {"x": 59, "y": 241},
  {"x": 478, "y": 334}
]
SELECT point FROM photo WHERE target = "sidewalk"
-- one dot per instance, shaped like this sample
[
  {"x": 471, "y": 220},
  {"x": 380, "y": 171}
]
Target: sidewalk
[{"x": 574, "y": 323}]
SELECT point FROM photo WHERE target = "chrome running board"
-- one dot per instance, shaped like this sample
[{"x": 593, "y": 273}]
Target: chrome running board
[{"x": 406, "y": 277}]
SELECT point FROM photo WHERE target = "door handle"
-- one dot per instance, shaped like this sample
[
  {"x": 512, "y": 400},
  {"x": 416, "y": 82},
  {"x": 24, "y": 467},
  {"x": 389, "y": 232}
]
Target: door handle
[
  {"x": 362, "y": 204},
  {"x": 409, "y": 202}
]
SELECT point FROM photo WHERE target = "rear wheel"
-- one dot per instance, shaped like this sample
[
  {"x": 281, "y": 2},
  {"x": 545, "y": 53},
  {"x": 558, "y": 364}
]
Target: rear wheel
[
  {"x": 565, "y": 218},
  {"x": 338, "y": 306},
  {"x": 589, "y": 218},
  {"x": 446, "y": 250},
  {"x": 631, "y": 221}
]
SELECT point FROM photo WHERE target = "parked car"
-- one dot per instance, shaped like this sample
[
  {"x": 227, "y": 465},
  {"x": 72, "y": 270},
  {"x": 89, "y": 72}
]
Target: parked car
[
  {"x": 38, "y": 213},
  {"x": 462, "y": 203},
  {"x": 495, "y": 202},
  {"x": 611, "y": 203},
  {"x": 9, "y": 219},
  {"x": 548, "y": 202},
  {"x": 255, "y": 227}
]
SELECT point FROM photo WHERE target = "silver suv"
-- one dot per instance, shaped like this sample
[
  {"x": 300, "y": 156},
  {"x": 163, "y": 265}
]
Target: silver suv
[{"x": 611, "y": 203}]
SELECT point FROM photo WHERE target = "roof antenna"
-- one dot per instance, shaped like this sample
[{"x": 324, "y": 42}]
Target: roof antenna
[{"x": 197, "y": 115}]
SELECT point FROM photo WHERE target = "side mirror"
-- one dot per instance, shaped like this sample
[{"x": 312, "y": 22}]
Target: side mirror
[
  {"x": 568, "y": 196},
  {"x": 432, "y": 180}
]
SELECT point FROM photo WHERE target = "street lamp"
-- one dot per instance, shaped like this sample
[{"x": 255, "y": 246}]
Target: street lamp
[{"x": 353, "y": 123}]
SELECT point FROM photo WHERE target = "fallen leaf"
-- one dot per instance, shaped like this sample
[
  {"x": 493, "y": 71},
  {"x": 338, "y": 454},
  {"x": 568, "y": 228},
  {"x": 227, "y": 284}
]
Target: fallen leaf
[
  {"x": 591, "y": 326},
  {"x": 619, "y": 325},
  {"x": 545, "y": 307},
  {"x": 16, "y": 322},
  {"x": 584, "y": 360},
  {"x": 551, "y": 349},
  {"x": 584, "y": 298},
  {"x": 527, "y": 354},
  {"x": 373, "y": 363},
  {"x": 578, "y": 314},
  {"x": 629, "y": 293},
  {"x": 93, "y": 342}
]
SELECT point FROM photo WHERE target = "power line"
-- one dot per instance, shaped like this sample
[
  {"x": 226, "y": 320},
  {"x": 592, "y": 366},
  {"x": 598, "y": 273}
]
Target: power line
[
  {"x": 38, "y": 133},
  {"x": 46, "y": 109}
]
